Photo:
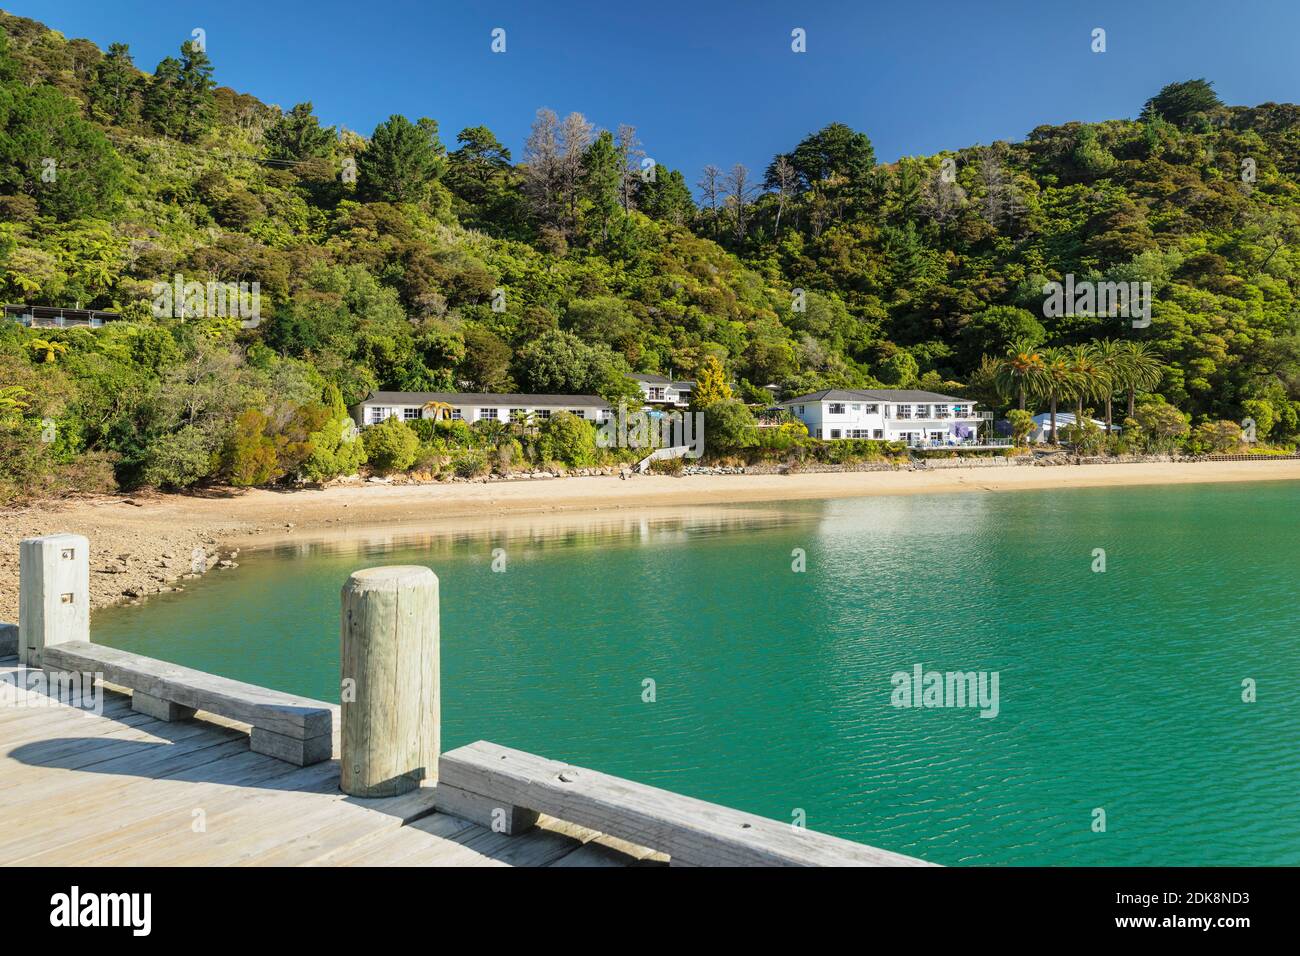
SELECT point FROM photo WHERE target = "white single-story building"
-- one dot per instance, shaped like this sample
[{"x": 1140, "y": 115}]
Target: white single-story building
[
  {"x": 476, "y": 406},
  {"x": 1043, "y": 426},
  {"x": 916, "y": 417},
  {"x": 53, "y": 317},
  {"x": 661, "y": 390}
]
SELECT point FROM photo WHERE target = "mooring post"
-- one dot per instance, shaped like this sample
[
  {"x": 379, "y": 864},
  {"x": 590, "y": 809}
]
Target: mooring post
[
  {"x": 388, "y": 659},
  {"x": 53, "y": 594}
]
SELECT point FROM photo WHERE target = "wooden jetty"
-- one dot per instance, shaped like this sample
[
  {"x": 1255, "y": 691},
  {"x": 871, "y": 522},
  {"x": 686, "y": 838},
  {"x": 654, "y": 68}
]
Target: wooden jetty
[{"x": 112, "y": 758}]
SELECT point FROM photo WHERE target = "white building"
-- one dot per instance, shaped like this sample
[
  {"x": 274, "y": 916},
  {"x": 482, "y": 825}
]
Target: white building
[
  {"x": 918, "y": 418},
  {"x": 476, "y": 406},
  {"x": 660, "y": 390},
  {"x": 1042, "y": 430}
]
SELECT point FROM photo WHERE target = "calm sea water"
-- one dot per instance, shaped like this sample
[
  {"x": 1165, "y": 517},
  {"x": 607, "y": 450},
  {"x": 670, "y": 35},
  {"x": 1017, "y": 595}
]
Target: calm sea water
[{"x": 1119, "y": 690}]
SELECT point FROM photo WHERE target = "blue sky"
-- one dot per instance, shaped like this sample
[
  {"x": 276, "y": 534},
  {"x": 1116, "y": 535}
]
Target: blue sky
[{"x": 716, "y": 82}]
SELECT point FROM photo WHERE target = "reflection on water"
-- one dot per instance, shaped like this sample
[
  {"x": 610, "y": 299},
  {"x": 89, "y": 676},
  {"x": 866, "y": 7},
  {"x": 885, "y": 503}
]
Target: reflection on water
[{"x": 1119, "y": 690}]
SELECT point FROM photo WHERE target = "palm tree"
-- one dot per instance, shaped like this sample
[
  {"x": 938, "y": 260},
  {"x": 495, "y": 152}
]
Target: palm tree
[
  {"x": 1093, "y": 377},
  {"x": 1058, "y": 381},
  {"x": 438, "y": 409},
  {"x": 1141, "y": 370},
  {"x": 1110, "y": 358},
  {"x": 1021, "y": 371}
]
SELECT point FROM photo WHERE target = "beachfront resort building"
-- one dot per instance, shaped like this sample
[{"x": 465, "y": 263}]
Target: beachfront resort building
[
  {"x": 661, "y": 390},
  {"x": 918, "y": 418},
  {"x": 476, "y": 406}
]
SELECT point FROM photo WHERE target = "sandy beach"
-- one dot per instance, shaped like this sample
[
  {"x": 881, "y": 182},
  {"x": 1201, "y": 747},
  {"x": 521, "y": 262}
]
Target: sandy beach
[{"x": 145, "y": 543}]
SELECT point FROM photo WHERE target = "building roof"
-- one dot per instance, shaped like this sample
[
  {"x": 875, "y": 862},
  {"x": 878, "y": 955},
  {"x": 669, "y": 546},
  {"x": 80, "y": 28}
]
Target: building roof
[
  {"x": 874, "y": 395},
  {"x": 650, "y": 378},
  {"x": 485, "y": 399}
]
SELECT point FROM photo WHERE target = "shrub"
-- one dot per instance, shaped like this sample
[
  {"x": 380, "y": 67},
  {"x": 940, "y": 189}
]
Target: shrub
[
  {"x": 390, "y": 446},
  {"x": 569, "y": 439},
  {"x": 668, "y": 466},
  {"x": 1215, "y": 438},
  {"x": 248, "y": 457},
  {"x": 1022, "y": 423},
  {"x": 469, "y": 463},
  {"x": 728, "y": 426}
]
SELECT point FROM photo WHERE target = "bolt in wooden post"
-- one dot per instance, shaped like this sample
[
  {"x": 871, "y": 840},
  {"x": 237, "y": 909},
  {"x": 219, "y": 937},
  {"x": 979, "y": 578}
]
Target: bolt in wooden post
[
  {"x": 389, "y": 663},
  {"x": 53, "y": 594}
]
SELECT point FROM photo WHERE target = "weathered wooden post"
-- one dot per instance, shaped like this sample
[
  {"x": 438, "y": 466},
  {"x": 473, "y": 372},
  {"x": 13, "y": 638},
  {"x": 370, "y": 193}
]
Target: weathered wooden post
[
  {"x": 53, "y": 594},
  {"x": 389, "y": 662}
]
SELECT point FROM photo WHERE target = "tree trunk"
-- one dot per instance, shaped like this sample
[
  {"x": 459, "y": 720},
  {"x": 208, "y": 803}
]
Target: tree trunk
[
  {"x": 1132, "y": 394},
  {"x": 1053, "y": 419},
  {"x": 1108, "y": 415},
  {"x": 1022, "y": 397}
]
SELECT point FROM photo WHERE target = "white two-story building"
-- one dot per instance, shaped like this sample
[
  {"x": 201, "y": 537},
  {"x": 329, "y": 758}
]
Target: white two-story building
[
  {"x": 661, "y": 390},
  {"x": 918, "y": 418}
]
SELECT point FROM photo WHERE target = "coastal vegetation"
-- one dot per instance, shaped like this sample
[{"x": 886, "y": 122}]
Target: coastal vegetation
[{"x": 415, "y": 260}]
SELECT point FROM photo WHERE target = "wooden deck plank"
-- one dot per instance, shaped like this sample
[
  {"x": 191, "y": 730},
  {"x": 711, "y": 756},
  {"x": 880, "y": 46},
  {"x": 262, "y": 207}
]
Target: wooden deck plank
[{"x": 690, "y": 830}]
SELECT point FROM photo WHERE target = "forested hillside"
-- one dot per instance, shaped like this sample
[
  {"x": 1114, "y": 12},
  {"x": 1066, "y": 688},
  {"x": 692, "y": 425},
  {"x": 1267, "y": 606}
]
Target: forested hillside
[{"x": 416, "y": 258}]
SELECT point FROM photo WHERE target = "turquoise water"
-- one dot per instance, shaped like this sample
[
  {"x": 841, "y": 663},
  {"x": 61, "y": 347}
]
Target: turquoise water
[{"x": 1119, "y": 690}]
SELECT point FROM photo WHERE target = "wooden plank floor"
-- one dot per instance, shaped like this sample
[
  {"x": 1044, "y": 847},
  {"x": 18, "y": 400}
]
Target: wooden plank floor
[{"x": 123, "y": 789}]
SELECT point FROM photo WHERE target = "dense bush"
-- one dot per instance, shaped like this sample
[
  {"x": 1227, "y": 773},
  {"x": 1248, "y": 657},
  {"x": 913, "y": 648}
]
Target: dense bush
[
  {"x": 908, "y": 276},
  {"x": 390, "y": 446}
]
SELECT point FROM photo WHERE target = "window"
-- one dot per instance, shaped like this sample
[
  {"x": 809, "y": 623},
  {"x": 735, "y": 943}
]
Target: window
[
  {"x": 857, "y": 407},
  {"x": 878, "y": 433},
  {"x": 858, "y": 433},
  {"x": 577, "y": 412},
  {"x": 836, "y": 408},
  {"x": 835, "y": 433},
  {"x": 922, "y": 411},
  {"x": 543, "y": 413},
  {"x": 961, "y": 411},
  {"x": 873, "y": 409},
  {"x": 800, "y": 407},
  {"x": 656, "y": 393},
  {"x": 518, "y": 414},
  {"x": 377, "y": 413},
  {"x": 457, "y": 415},
  {"x": 819, "y": 433},
  {"x": 604, "y": 414},
  {"x": 904, "y": 411},
  {"x": 941, "y": 411},
  {"x": 410, "y": 413},
  {"x": 490, "y": 414}
]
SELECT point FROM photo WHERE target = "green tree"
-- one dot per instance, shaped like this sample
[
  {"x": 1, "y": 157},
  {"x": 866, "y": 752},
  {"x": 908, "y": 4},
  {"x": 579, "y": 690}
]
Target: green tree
[
  {"x": 1182, "y": 103},
  {"x": 570, "y": 439},
  {"x": 116, "y": 95},
  {"x": 1139, "y": 369},
  {"x": 1160, "y": 426},
  {"x": 1059, "y": 381},
  {"x": 194, "y": 97},
  {"x": 602, "y": 177},
  {"x": 390, "y": 446},
  {"x": 297, "y": 135},
  {"x": 1022, "y": 423},
  {"x": 249, "y": 455},
  {"x": 729, "y": 426},
  {"x": 401, "y": 161},
  {"x": 1020, "y": 372},
  {"x": 48, "y": 152}
]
